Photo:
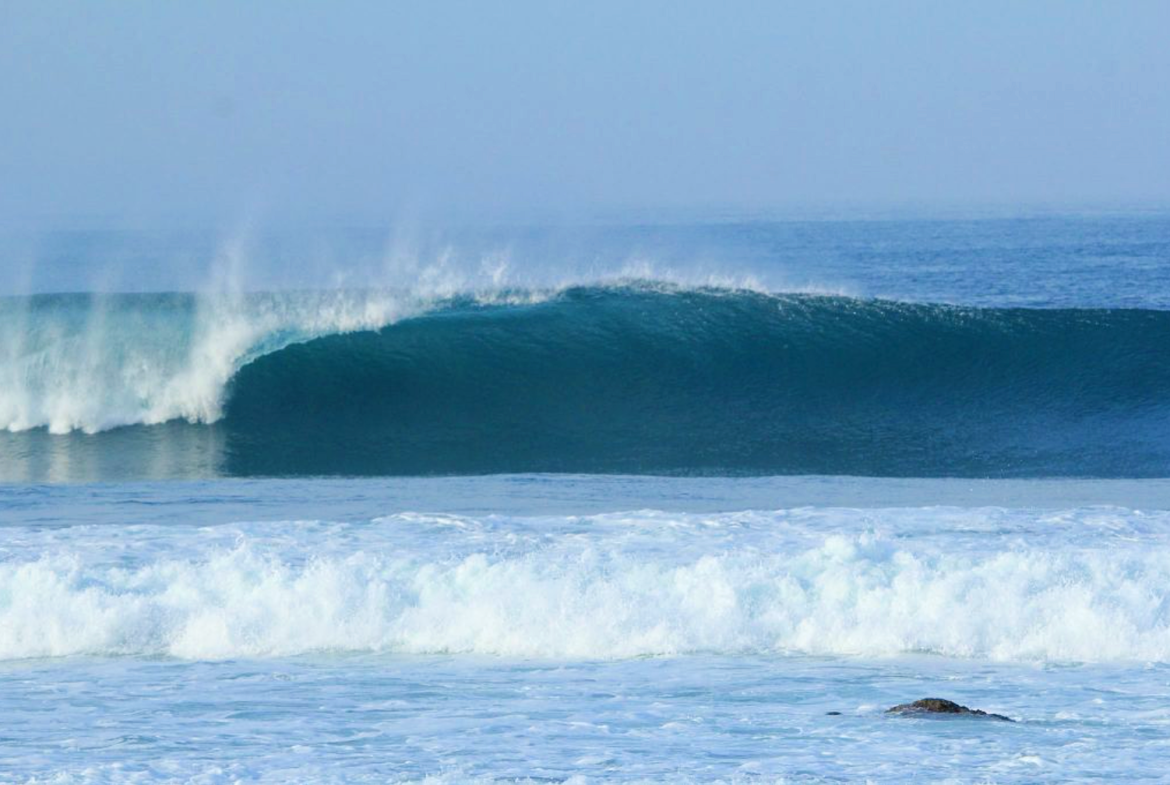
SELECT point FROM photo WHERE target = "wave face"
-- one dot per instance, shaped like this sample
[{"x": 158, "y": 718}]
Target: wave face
[{"x": 637, "y": 378}]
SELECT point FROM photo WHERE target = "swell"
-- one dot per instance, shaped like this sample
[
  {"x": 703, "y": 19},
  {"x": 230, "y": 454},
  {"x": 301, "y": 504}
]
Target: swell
[
  {"x": 640, "y": 378},
  {"x": 644, "y": 379}
]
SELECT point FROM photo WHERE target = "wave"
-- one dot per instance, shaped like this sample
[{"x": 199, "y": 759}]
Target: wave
[
  {"x": 837, "y": 595},
  {"x": 643, "y": 377}
]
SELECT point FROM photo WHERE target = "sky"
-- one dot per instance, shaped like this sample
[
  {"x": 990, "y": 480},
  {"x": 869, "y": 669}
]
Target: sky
[{"x": 357, "y": 111}]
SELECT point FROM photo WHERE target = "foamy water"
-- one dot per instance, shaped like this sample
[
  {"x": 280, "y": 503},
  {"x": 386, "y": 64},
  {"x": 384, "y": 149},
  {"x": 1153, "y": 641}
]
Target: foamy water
[
  {"x": 984, "y": 583},
  {"x": 374, "y": 639}
]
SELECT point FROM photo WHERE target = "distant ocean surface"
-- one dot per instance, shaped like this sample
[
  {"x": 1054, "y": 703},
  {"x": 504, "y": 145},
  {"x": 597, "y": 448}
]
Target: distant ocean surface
[{"x": 618, "y": 503}]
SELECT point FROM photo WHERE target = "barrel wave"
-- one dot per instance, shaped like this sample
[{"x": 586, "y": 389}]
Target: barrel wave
[{"x": 655, "y": 378}]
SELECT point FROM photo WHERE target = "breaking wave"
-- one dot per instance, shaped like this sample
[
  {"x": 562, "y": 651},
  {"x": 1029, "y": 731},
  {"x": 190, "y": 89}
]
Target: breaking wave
[{"x": 639, "y": 377}]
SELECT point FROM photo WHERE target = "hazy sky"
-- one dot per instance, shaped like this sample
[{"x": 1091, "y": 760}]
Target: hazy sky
[{"x": 364, "y": 110}]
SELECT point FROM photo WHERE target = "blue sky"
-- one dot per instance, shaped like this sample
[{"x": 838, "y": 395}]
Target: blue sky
[{"x": 362, "y": 111}]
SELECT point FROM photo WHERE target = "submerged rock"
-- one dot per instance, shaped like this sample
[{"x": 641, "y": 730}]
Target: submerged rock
[{"x": 942, "y": 706}]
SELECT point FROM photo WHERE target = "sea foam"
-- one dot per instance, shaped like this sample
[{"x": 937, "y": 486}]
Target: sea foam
[{"x": 655, "y": 584}]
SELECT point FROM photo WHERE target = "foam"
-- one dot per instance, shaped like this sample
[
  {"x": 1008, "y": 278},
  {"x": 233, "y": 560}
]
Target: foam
[{"x": 853, "y": 595}]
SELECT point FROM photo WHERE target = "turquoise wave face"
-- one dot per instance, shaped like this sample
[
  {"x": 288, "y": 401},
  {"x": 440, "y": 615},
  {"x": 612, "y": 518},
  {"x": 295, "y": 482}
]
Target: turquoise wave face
[{"x": 647, "y": 378}]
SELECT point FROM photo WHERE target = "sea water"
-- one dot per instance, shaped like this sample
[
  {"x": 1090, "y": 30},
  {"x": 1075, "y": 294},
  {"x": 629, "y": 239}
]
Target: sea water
[
  {"x": 549, "y": 606},
  {"x": 605, "y": 629}
]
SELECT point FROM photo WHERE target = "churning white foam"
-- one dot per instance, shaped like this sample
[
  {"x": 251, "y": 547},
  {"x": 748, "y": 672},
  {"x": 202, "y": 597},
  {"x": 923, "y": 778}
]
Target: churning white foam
[{"x": 516, "y": 590}]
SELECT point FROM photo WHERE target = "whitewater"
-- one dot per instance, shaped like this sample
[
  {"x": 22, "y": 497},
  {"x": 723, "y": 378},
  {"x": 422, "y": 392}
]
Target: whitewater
[
  {"x": 541, "y": 627},
  {"x": 806, "y": 581}
]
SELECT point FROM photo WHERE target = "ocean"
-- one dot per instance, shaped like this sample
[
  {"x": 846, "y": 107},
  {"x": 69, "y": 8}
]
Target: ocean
[{"x": 657, "y": 501}]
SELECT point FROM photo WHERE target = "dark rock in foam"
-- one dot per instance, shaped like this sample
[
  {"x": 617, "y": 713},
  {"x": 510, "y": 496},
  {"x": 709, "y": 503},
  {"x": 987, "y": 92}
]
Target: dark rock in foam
[{"x": 942, "y": 706}]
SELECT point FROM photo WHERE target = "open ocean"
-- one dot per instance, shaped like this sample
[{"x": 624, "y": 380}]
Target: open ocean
[{"x": 627, "y": 503}]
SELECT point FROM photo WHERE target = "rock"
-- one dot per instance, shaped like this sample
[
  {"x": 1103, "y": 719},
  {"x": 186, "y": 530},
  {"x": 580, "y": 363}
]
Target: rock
[{"x": 942, "y": 706}]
